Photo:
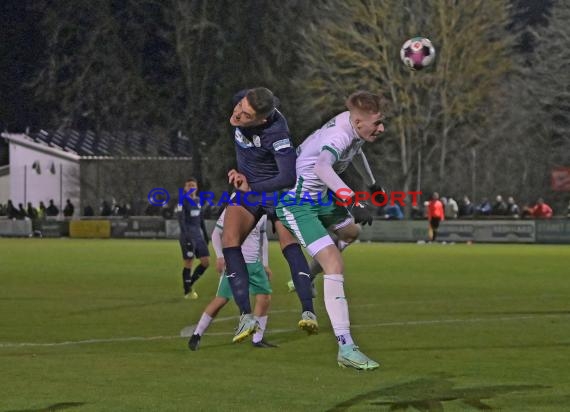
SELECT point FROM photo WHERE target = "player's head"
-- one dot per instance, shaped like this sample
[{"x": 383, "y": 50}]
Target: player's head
[
  {"x": 191, "y": 183},
  {"x": 254, "y": 109},
  {"x": 366, "y": 114}
]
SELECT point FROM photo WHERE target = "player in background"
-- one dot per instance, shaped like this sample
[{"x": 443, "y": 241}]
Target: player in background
[
  {"x": 193, "y": 238},
  {"x": 256, "y": 255},
  {"x": 435, "y": 215},
  {"x": 265, "y": 166},
  {"x": 321, "y": 158}
]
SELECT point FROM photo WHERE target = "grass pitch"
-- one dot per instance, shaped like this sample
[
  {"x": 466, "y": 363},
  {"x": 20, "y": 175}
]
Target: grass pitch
[{"x": 93, "y": 325}]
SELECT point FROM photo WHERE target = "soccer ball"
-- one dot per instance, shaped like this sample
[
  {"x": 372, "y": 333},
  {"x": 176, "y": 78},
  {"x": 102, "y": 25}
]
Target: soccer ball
[{"x": 417, "y": 53}]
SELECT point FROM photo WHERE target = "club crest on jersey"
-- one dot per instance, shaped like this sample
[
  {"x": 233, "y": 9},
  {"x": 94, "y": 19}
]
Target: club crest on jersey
[
  {"x": 256, "y": 141},
  {"x": 241, "y": 140},
  {"x": 281, "y": 144}
]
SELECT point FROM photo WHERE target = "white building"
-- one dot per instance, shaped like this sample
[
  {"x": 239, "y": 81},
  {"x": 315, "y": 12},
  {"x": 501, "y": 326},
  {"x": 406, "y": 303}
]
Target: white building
[
  {"x": 90, "y": 169},
  {"x": 38, "y": 172}
]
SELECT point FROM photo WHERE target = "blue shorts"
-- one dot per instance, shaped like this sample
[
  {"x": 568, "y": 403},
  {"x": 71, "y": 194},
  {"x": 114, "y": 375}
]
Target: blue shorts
[
  {"x": 192, "y": 248},
  {"x": 258, "y": 204}
]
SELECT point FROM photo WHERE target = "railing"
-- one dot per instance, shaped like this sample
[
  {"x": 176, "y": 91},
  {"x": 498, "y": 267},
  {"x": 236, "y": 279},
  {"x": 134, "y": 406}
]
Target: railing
[{"x": 555, "y": 230}]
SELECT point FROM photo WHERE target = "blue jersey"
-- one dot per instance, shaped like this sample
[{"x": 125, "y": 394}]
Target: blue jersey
[
  {"x": 191, "y": 222},
  {"x": 265, "y": 153}
]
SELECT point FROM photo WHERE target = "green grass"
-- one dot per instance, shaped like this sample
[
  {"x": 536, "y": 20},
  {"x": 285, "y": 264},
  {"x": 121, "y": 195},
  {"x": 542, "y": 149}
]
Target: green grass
[{"x": 455, "y": 327}]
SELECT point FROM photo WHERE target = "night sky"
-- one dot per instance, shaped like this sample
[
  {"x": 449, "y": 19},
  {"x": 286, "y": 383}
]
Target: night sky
[{"x": 21, "y": 45}]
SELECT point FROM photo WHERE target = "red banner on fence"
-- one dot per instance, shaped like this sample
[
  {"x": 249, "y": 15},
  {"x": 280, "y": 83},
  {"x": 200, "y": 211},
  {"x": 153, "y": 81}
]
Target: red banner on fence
[{"x": 560, "y": 179}]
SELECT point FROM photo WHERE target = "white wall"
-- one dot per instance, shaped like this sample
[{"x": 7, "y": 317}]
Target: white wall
[
  {"x": 58, "y": 178},
  {"x": 4, "y": 188}
]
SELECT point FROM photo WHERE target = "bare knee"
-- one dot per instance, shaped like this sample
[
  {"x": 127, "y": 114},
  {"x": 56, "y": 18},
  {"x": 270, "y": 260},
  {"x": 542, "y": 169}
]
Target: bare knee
[
  {"x": 350, "y": 233},
  {"x": 330, "y": 260}
]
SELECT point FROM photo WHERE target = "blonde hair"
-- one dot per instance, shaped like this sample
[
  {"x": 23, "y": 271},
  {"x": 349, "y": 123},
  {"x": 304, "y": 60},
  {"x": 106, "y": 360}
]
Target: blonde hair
[{"x": 365, "y": 102}]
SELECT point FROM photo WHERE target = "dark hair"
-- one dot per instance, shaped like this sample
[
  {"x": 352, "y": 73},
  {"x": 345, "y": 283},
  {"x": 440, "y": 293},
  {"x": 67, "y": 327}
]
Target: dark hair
[
  {"x": 191, "y": 179},
  {"x": 261, "y": 100},
  {"x": 365, "y": 102}
]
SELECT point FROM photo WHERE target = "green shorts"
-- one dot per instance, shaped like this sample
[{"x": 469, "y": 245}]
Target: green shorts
[
  {"x": 309, "y": 221},
  {"x": 258, "y": 282}
]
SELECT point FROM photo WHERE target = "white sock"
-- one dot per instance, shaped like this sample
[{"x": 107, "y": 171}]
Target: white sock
[
  {"x": 203, "y": 324},
  {"x": 258, "y": 336},
  {"x": 337, "y": 307}
]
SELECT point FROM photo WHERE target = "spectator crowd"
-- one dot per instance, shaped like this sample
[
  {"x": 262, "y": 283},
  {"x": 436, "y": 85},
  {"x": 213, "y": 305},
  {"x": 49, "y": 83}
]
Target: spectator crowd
[{"x": 464, "y": 209}]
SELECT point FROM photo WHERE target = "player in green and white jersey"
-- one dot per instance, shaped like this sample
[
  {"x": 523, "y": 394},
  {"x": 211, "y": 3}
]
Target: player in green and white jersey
[
  {"x": 309, "y": 209},
  {"x": 256, "y": 255}
]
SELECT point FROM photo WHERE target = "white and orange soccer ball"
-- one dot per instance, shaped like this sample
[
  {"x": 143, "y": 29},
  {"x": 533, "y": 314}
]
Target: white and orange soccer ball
[{"x": 417, "y": 53}]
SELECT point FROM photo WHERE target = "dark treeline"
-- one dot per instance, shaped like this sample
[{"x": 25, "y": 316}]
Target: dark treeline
[{"x": 490, "y": 117}]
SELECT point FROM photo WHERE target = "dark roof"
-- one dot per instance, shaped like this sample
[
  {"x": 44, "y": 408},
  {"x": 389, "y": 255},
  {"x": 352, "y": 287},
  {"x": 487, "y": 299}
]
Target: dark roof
[{"x": 119, "y": 144}]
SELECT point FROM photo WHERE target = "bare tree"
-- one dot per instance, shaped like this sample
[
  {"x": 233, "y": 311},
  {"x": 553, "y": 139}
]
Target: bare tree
[{"x": 355, "y": 44}]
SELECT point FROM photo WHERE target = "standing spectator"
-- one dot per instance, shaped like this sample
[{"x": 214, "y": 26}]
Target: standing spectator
[
  {"x": 500, "y": 207},
  {"x": 123, "y": 210},
  {"x": 69, "y": 209},
  {"x": 484, "y": 208},
  {"x": 568, "y": 210},
  {"x": 417, "y": 212},
  {"x": 52, "y": 209},
  {"x": 512, "y": 208},
  {"x": 435, "y": 216},
  {"x": 106, "y": 208},
  {"x": 11, "y": 211},
  {"x": 541, "y": 210},
  {"x": 32, "y": 212},
  {"x": 88, "y": 211},
  {"x": 42, "y": 210},
  {"x": 21, "y": 212},
  {"x": 466, "y": 208},
  {"x": 451, "y": 208},
  {"x": 393, "y": 212}
]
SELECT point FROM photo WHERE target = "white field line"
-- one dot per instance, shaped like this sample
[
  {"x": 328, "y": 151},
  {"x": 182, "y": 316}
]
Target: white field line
[{"x": 274, "y": 331}]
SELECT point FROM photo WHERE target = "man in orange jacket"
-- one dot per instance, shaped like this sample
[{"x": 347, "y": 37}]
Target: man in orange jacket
[{"x": 435, "y": 215}]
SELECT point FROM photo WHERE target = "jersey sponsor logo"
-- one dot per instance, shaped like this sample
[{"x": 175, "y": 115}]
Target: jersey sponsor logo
[
  {"x": 281, "y": 144},
  {"x": 195, "y": 212},
  {"x": 241, "y": 140}
]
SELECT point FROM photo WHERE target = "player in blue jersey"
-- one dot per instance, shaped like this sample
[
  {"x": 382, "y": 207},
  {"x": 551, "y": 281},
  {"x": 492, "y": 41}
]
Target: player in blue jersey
[
  {"x": 193, "y": 238},
  {"x": 265, "y": 165}
]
